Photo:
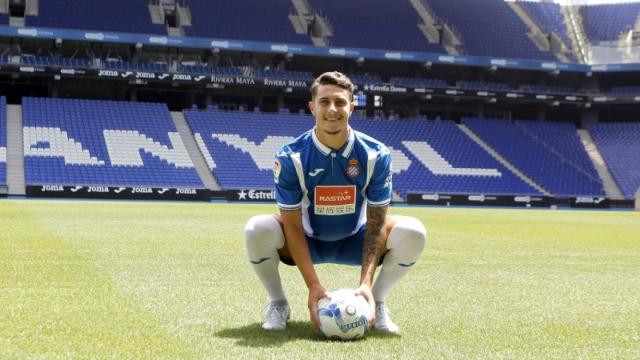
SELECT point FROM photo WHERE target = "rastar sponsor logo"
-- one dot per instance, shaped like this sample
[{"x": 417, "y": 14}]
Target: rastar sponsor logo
[
  {"x": 56, "y": 188},
  {"x": 335, "y": 200},
  {"x": 141, "y": 190},
  {"x": 261, "y": 195},
  {"x": 98, "y": 189}
]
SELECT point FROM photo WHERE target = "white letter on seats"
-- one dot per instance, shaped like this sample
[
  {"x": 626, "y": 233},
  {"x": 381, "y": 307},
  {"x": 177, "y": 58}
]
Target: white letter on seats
[
  {"x": 56, "y": 143},
  {"x": 438, "y": 165},
  {"x": 124, "y": 148},
  {"x": 262, "y": 154}
]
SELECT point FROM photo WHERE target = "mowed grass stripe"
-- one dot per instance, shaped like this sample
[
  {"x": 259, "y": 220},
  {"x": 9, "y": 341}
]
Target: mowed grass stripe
[
  {"x": 492, "y": 283},
  {"x": 55, "y": 302}
]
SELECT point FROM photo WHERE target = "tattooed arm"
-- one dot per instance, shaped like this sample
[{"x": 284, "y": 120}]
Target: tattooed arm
[
  {"x": 374, "y": 242},
  {"x": 373, "y": 248}
]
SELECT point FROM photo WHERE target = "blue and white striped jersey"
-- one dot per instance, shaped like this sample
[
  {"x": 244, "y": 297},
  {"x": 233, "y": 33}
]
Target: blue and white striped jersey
[{"x": 331, "y": 187}]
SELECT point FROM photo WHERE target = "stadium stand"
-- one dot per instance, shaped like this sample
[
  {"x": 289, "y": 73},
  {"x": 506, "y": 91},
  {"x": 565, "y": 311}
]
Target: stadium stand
[
  {"x": 3, "y": 140},
  {"x": 545, "y": 165},
  {"x": 244, "y": 20},
  {"x": 549, "y": 17},
  {"x": 375, "y": 24},
  {"x": 482, "y": 34},
  {"x": 241, "y": 146},
  {"x": 479, "y": 85},
  {"x": 563, "y": 139},
  {"x": 109, "y": 143},
  {"x": 366, "y": 79},
  {"x": 230, "y": 140},
  {"x": 619, "y": 144},
  {"x": 286, "y": 75},
  {"x": 607, "y": 22},
  {"x": 417, "y": 82},
  {"x": 625, "y": 90},
  {"x": 132, "y": 16},
  {"x": 547, "y": 89}
]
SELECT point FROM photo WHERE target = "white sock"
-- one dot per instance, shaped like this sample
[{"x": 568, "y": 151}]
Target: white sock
[
  {"x": 263, "y": 237},
  {"x": 405, "y": 243}
]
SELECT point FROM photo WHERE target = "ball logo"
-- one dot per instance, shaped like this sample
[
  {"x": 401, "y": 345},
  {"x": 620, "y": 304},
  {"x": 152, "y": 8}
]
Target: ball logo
[
  {"x": 344, "y": 316},
  {"x": 354, "y": 169},
  {"x": 334, "y": 312}
]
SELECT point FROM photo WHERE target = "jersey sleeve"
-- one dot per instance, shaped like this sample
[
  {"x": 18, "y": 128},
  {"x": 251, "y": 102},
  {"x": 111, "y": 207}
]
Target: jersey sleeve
[
  {"x": 380, "y": 187},
  {"x": 288, "y": 191}
]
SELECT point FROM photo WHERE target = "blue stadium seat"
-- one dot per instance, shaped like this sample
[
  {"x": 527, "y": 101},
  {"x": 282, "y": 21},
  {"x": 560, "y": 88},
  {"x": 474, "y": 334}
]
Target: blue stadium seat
[
  {"x": 375, "y": 24},
  {"x": 482, "y": 34},
  {"x": 549, "y": 17},
  {"x": 418, "y": 82},
  {"x": 619, "y": 144},
  {"x": 102, "y": 15},
  {"x": 112, "y": 143},
  {"x": 244, "y": 20},
  {"x": 560, "y": 169},
  {"x": 607, "y": 22},
  {"x": 240, "y": 147}
]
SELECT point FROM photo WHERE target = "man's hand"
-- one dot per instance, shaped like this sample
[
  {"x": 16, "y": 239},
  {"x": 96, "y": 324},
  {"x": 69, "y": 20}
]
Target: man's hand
[
  {"x": 316, "y": 293},
  {"x": 365, "y": 291}
]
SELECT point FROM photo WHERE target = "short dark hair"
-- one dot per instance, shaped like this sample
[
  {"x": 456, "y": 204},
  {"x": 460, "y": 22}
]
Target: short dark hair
[{"x": 332, "y": 78}]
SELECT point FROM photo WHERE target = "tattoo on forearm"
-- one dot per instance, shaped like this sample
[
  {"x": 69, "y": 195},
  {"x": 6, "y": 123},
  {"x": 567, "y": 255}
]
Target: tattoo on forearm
[{"x": 373, "y": 246}]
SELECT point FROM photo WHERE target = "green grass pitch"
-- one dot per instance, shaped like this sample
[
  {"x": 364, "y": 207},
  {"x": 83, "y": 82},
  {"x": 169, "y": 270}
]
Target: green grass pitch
[{"x": 170, "y": 280}]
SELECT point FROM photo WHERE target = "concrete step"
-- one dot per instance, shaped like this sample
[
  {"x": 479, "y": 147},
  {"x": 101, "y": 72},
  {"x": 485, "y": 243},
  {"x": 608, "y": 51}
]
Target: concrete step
[
  {"x": 201, "y": 159},
  {"x": 502, "y": 160},
  {"x": 610, "y": 186},
  {"x": 15, "y": 151}
]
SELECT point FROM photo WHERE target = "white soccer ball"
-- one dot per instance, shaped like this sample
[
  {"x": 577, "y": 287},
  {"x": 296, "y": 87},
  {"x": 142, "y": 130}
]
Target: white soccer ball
[{"x": 345, "y": 316}]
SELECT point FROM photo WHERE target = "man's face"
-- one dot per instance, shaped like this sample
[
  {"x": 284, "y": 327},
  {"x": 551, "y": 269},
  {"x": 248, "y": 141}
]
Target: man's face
[{"x": 331, "y": 107}]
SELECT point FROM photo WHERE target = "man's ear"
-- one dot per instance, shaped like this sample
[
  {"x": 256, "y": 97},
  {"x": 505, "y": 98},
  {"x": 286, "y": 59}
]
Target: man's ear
[{"x": 312, "y": 106}]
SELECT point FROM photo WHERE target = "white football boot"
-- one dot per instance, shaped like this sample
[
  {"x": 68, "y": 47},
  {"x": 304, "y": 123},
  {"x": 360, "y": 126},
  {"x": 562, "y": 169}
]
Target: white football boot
[
  {"x": 276, "y": 315},
  {"x": 383, "y": 320}
]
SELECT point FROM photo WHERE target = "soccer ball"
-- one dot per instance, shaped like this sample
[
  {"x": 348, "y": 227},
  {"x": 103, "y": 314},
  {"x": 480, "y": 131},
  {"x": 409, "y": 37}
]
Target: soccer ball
[{"x": 345, "y": 316}]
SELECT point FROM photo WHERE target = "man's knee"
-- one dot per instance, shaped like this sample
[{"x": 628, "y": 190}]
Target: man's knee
[
  {"x": 264, "y": 228},
  {"x": 408, "y": 232}
]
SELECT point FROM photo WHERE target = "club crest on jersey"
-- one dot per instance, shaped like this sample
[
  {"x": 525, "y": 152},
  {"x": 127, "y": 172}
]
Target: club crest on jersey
[
  {"x": 276, "y": 171},
  {"x": 354, "y": 169}
]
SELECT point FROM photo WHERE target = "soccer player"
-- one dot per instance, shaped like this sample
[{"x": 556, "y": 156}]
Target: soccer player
[{"x": 333, "y": 188}]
